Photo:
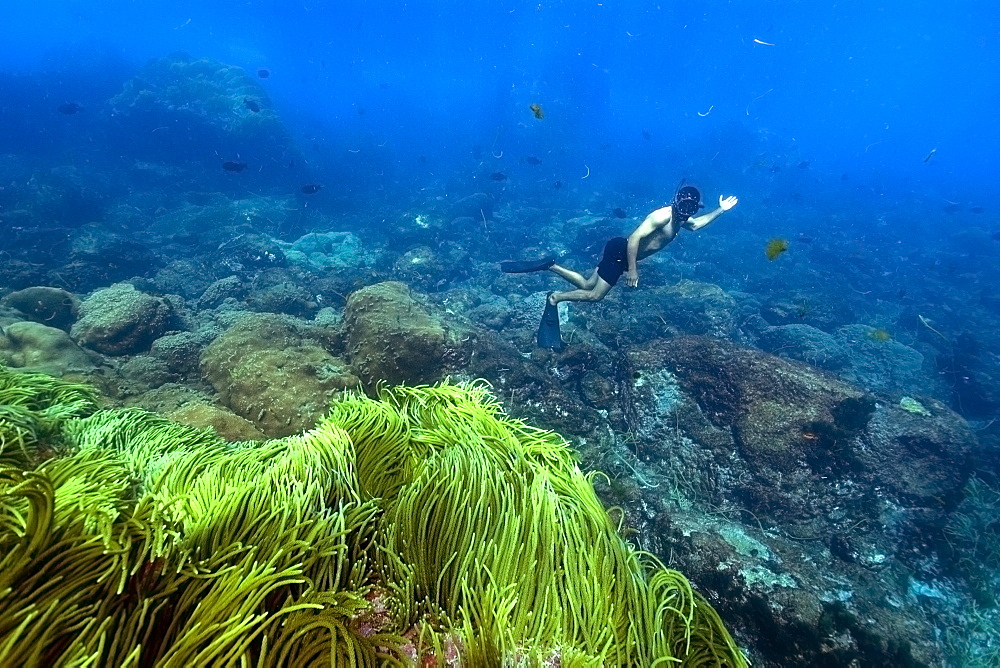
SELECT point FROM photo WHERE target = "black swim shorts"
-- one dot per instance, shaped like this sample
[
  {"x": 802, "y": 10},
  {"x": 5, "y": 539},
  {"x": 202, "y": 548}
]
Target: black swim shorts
[{"x": 614, "y": 262}]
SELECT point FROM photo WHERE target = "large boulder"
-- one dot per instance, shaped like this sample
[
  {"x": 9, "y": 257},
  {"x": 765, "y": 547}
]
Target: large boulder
[
  {"x": 54, "y": 307},
  {"x": 121, "y": 320},
  {"x": 37, "y": 347},
  {"x": 393, "y": 338},
  {"x": 276, "y": 371}
]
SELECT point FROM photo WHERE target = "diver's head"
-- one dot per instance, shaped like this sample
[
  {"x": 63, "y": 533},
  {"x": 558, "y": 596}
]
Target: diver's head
[{"x": 687, "y": 201}]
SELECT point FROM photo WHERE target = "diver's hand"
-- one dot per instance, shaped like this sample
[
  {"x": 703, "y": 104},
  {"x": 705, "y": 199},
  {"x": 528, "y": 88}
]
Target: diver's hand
[
  {"x": 727, "y": 203},
  {"x": 632, "y": 279}
]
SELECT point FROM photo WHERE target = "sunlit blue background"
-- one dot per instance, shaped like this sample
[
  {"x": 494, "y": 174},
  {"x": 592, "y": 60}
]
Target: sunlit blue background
[{"x": 839, "y": 108}]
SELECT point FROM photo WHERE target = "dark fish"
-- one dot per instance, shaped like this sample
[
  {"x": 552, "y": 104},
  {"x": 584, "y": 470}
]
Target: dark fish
[
  {"x": 646, "y": 135},
  {"x": 532, "y": 160},
  {"x": 775, "y": 169},
  {"x": 310, "y": 188},
  {"x": 536, "y": 109},
  {"x": 804, "y": 164},
  {"x": 995, "y": 236},
  {"x": 69, "y": 108},
  {"x": 233, "y": 166},
  {"x": 844, "y": 177},
  {"x": 930, "y": 155},
  {"x": 251, "y": 105},
  {"x": 558, "y": 184},
  {"x": 804, "y": 239},
  {"x": 604, "y": 147},
  {"x": 422, "y": 159},
  {"x": 498, "y": 176},
  {"x": 976, "y": 209},
  {"x": 361, "y": 111},
  {"x": 263, "y": 73},
  {"x": 951, "y": 208},
  {"x": 618, "y": 212}
]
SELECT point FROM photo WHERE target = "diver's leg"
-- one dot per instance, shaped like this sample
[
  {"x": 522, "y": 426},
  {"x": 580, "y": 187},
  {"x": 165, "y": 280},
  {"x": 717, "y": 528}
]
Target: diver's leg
[
  {"x": 594, "y": 294},
  {"x": 575, "y": 278}
]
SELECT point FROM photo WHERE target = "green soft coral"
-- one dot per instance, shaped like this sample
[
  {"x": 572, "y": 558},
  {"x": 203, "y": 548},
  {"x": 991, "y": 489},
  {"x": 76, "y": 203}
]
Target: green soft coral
[{"x": 422, "y": 526}]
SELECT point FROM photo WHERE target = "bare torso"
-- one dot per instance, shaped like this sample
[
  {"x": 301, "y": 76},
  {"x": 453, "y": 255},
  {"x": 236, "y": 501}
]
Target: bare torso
[{"x": 658, "y": 238}]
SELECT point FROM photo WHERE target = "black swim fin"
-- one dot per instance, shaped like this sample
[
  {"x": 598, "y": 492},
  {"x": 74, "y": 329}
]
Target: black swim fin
[
  {"x": 548, "y": 330},
  {"x": 525, "y": 266}
]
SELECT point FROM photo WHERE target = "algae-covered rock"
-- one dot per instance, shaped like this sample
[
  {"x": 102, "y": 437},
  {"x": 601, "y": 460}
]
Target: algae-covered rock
[
  {"x": 226, "y": 424},
  {"x": 54, "y": 307},
  {"x": 34, "y": 346},
  {"x": 121, "y": 320},
  {"x": 275, "y": 372},
  {"x": 392, "y": 338}
]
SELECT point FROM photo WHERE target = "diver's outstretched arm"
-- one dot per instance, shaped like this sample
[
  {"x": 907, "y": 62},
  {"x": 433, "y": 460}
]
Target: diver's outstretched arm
[{"x": 698, "y": 222}]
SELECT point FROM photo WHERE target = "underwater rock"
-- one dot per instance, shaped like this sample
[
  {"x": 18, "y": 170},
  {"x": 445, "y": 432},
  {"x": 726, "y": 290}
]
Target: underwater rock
[
  {"x": 98, "y": 258},
  {"x": 277, "y": 292},
  {"x": 392, "y": 338},
  {"x": 921, "y": 458},
  {"x": 781, "y": 414},
  {"x": 431, "y": 270},
  {"x": 806, "y": 344},
  {"x": 276, "y": 372},
  {"x": 181, "y": 352},
  {"x": 177, "y": 109},
  {"x": 120, "y": 320},
  {"x": 226, "y": 424},
  {"x": 321, "y": 251},
  {"x": 230, "y": 287},
  {"x": 33, "y": 346},
  {"x": 850, "y": 491},
  {"x": 54, "y": 307},
  {"x": 884, "y": 365}
]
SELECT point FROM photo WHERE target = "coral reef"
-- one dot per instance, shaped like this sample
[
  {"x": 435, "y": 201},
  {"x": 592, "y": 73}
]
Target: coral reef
[{"x": 420, "y": 528}]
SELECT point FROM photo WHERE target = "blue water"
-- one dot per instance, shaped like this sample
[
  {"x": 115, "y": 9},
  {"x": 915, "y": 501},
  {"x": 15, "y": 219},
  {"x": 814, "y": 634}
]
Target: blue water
[{"x": 861, "y": 133}]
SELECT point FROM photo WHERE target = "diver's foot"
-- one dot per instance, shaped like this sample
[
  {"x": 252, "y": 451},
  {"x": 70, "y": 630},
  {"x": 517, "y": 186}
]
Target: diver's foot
[{"x": 526, "y": 266}]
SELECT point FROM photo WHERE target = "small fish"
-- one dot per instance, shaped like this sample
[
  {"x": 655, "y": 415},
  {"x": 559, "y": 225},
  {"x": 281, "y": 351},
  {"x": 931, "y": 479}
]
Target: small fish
[
  {"x": 804, "y": 164},
  {"x": 536, "y": 109},
  {"x": 532, "y": 160},
  {"x": 646, "y": 135},
  {"x": 804, "y": 238},
  {"x": 775, "y": 169},
  {"x": 879, "y": 334},
  {"x": 951, "y": 208},
  {"x": 233, "y": 166},
  {"x": 69, "y": 108},
  {"x": 930, "y": 155},
  {"x": 845, "y": 177},
  {"x": 775, "y": 247},
  {"x": 976, "y": 209},
  {"x": 310, "y": 188},
  {"x": 251, "y": 105},
  {"x": 995, "y": 236},
  {"x": 422, "y": 159},
  {"x": 498, "y": 176},
  {"x": 618, "y": 212},
  {"x": 263, "y": 73},
  {"x": 558, "y": 184},
  {"x": 383, "y": 85}
]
